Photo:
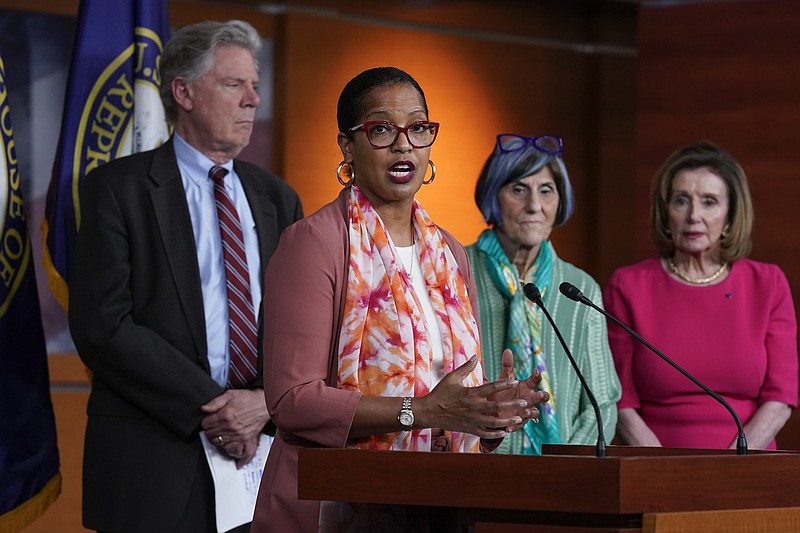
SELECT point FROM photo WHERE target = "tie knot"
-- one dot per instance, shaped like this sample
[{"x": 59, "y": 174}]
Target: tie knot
[{"x": 217, "y": 173}]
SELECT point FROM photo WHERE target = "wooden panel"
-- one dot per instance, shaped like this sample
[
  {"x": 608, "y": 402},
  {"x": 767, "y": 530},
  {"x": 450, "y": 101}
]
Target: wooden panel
[
  {"x": 67, "y": 369},
  {"x": 64, "y": 516},
  {"x": 55, "y": 7},
  {"x": 633, "y": 483},
  {"x": 789, "y": 436},
  {"x": 521, "y": 528},
  {"x": 183, "y": 12},
  {"x": 741, "y": 521}
]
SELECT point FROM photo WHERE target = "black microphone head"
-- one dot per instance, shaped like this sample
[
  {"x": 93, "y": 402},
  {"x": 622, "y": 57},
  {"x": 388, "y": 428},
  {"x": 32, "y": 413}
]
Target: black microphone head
[
  {"x": 570, "y": 291},
  {"x": 532, "y": 292}
]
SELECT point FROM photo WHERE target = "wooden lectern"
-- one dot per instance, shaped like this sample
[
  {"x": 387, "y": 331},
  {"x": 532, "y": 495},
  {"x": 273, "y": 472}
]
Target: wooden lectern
[{"x": 569, "y": 490}]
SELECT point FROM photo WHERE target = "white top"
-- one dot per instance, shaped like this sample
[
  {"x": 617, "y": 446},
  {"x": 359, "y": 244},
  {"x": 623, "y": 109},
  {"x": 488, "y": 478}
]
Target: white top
[{"x": 410, "y": 259}]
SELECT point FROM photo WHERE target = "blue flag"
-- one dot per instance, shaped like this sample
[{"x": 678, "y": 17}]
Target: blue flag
[
  {"x": 112, "y": 109},
  {"x": 29, "y": 469}
]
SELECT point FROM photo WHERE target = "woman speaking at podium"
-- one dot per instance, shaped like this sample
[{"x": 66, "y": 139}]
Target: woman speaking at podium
[
  {"x": 727, "y": 320},
  {"x": 371, "y": 332}
]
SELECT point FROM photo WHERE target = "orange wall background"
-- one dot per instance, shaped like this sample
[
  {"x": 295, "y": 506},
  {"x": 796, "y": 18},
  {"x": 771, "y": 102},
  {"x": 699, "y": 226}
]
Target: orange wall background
[{"x": 476, "y": 88}]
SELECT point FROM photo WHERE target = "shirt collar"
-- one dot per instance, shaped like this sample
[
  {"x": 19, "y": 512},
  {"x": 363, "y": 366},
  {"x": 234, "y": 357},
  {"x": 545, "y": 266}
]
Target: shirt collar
[{"x": 194, "y": 162}]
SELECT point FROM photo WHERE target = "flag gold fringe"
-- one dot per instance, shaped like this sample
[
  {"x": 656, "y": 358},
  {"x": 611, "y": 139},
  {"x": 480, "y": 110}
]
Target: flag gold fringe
[
  {"x": 20, "y": 517},
  {"x": 54, "y": 280},
  {"x": 56, "y": 283}
]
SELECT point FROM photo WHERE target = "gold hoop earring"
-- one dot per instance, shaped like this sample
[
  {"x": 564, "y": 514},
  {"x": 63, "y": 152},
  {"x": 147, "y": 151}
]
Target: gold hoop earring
[
  {"x": 351, "y": 174},
  {"x": 433, "y": 174}
]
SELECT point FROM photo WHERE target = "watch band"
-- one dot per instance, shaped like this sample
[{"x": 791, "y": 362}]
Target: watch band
[{"x": 406, "y": 415}]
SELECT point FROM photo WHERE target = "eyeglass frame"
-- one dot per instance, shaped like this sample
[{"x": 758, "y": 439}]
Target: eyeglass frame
[
  {"x": 531, "y": 141},
  {"x": 400, "y": 129}
]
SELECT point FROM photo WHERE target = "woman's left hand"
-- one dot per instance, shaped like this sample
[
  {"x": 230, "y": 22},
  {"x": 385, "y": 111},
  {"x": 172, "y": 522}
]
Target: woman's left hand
[{"x": 525, "y": 390}]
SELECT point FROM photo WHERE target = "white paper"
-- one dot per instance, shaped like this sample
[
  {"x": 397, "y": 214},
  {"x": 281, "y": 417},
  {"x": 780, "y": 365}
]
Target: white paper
[{"x": 235, "y": 490}]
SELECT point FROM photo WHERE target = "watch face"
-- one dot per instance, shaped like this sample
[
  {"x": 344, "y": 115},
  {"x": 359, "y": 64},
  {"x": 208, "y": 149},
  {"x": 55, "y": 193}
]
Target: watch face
[{"x": 407, "y": 418}]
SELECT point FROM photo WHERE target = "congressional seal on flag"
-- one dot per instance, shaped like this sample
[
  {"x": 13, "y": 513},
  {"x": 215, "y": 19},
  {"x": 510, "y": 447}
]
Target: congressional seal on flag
[
  {"x": 29, "y": 466},
  {"x": 112, "y": 109}
]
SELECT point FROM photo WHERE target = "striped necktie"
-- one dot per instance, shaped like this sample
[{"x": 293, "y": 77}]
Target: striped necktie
[{"x": 241, "y": 317}]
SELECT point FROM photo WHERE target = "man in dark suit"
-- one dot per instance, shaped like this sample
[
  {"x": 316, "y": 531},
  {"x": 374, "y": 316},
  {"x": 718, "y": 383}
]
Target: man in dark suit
[{"x": 152, "y": 311}]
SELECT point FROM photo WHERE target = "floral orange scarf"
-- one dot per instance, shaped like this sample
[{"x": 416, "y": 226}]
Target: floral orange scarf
[{"x": 383, "y": 344}]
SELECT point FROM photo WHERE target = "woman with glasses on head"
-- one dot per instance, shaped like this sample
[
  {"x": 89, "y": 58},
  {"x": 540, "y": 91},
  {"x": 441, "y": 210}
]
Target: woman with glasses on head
[
  {"x": 371, "y": 331},
  {"x": 726, "y": 319},
  {"x": 523, "y": 192}
]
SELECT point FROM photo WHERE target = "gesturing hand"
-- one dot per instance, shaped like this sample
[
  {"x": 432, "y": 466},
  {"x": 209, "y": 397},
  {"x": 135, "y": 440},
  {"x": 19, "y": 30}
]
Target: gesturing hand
[
  {"x": 525, "y": 390},
  {"x": 488, "y": 411}
]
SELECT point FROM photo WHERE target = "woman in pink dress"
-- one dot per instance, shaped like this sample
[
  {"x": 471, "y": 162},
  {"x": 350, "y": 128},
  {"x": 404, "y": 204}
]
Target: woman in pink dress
[{"x": 726, "y": 319}]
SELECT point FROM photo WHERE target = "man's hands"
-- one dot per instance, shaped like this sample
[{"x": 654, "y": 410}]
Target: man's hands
[{"x": 234, "y": 422}]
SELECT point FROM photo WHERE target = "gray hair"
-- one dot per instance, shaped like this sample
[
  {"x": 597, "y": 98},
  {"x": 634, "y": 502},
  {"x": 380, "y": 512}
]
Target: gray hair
[
  {"x": 501, "y": 169},
  {"x": 190, "y": 53}
]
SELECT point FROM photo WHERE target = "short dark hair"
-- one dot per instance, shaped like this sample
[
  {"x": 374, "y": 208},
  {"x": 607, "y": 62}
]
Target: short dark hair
[
  {"x": 352, "y": 101},
  {"x": 736, "y": 243},
  {"x": 502, "y": 168}
]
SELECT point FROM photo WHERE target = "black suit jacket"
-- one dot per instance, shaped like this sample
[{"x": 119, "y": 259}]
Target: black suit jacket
[{"x": 136, "y": 317}]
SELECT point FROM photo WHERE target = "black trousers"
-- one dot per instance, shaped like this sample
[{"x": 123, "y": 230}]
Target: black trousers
[{"x": 200, "y": 515}]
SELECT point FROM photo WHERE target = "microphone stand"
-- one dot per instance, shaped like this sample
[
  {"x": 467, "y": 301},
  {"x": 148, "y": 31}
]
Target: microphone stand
[
  {"x": 533, "y": 294},
  {"x": 573, "y": 293}
]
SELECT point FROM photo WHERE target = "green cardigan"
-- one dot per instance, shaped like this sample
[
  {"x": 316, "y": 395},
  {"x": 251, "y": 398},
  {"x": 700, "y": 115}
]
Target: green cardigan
[{"x": 584, "y": 331}]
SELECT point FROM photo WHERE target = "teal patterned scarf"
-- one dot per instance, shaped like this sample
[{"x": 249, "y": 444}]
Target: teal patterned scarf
[{"x": 524, "y": 335}]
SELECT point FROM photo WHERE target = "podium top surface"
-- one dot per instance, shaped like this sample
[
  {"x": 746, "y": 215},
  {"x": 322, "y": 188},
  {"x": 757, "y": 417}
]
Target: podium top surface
[{"x": 565, "y": 479}]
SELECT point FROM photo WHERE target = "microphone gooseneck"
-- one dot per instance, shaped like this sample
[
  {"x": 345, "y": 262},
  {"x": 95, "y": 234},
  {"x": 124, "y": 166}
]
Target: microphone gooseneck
[
  {"x": 533, "y": 294},
  {"x": 573, "y": 293}
]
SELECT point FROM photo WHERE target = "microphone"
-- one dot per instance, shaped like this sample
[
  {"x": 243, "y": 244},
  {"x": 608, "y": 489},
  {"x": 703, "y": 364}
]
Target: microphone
[
  {"x": 573, "y": 293},
  {"x": 533, "y": 294}
]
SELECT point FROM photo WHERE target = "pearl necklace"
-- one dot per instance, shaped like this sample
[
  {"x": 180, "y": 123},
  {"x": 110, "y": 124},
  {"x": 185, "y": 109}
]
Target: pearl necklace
[{"x": 696, "y": 281}]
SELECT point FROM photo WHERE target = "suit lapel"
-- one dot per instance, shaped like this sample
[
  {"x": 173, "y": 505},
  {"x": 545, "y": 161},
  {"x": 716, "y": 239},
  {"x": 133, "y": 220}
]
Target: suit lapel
[{"x": 175, "y": 226}]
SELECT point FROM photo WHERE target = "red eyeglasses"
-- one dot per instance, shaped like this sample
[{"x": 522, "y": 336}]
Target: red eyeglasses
[{"x": 382, "y": 133}]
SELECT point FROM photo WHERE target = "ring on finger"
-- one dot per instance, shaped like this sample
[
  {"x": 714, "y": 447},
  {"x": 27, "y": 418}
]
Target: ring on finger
[{"x": 220, "y": 440}]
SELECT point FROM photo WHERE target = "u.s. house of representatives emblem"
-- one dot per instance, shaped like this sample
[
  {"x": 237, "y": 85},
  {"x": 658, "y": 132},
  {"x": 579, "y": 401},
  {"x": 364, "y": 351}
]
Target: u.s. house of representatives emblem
[
  {"x": 15, "y": 247},
  {"x": 123, "y": 113}
]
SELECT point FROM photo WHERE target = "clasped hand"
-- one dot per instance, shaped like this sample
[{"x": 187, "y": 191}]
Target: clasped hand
[
  {"x": 237, "y": 416},
  {"x": 489, "y": 411}
]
